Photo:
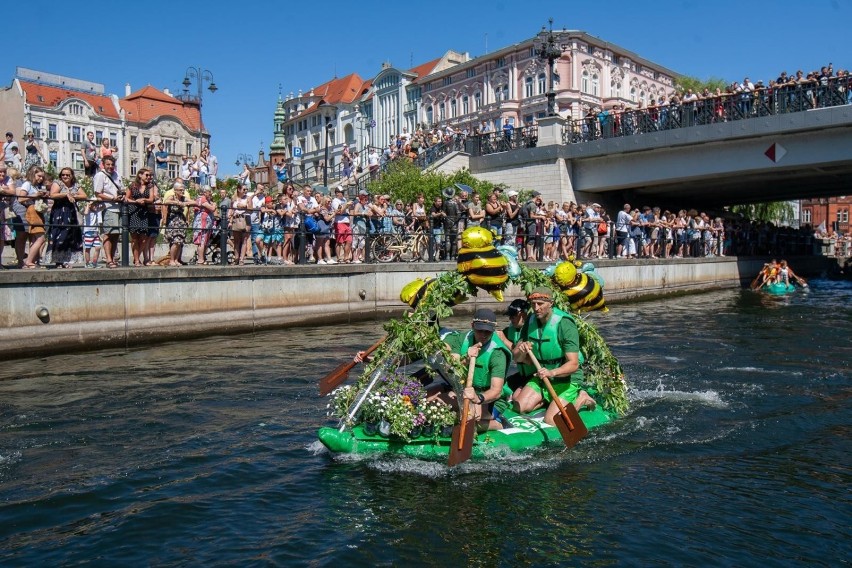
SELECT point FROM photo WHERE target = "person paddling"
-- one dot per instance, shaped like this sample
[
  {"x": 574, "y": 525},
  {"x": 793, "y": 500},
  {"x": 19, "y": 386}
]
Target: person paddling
[
  {"x": 518, "y": 312},
  {"x": 551, "y": 335}
]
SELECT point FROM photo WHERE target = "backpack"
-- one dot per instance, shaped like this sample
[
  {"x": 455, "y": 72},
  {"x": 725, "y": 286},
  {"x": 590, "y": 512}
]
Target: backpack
[{"x": 311, "y": 225}]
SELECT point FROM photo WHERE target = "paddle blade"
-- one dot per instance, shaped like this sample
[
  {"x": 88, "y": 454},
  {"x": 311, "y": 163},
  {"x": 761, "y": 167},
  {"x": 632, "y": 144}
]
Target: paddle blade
[
  {"x": 572, "y": 429},
  {"x": 461, "y": 445},
  {"x": 335, "y": 378}
]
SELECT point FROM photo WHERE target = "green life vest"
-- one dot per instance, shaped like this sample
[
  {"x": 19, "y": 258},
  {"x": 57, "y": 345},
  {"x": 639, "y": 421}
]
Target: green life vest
[
  {"x": 512, "y": 333},
  {"x": 545, "y": 342},
  {"x": 481, "y": 376}
]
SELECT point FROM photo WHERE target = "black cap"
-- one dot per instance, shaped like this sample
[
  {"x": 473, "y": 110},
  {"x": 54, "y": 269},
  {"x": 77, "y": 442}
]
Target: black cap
[
  {"x": 517, "y": 306},
  {"x": 484, "y": 319}
]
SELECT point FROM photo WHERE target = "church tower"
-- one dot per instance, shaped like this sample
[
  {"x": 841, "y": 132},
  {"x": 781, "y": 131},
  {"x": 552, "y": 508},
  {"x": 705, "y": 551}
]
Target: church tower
[{"x": 278, "y": 148}]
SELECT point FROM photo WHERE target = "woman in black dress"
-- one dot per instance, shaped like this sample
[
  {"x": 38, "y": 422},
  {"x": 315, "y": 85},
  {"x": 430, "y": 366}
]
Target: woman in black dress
[
  {"x": 65, "y": 236},
  {"x": 140, "y": 195}
]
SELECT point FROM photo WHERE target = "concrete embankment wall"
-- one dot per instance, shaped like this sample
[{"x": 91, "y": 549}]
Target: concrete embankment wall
[{"x": 89, "y": 309}]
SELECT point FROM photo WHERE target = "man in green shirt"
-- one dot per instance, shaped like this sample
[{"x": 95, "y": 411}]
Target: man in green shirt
[{"x": 552, "y": 336}]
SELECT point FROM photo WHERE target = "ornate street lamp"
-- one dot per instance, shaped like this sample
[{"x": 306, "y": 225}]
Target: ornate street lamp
[
  {"x": 200, "y": 75},
  {"x": 328, "y": 112},
  {"x": 244, "y": 159},
  {"x": 549, "y": 47}
]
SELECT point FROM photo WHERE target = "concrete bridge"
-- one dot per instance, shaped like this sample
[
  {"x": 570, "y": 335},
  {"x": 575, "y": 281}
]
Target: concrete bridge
[{"x": 771, "y": 158}]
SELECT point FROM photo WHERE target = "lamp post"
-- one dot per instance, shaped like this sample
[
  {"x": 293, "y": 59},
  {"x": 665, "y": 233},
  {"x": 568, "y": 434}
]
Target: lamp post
[
  {"x": 244, "y": 159},
  {"x": 200, "y": 75},
  {"x": 328, "y": 111},
  {"x": 549, "y": 47}
]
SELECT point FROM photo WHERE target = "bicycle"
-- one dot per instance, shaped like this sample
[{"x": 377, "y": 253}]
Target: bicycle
[{"x": 409, "y": 247}]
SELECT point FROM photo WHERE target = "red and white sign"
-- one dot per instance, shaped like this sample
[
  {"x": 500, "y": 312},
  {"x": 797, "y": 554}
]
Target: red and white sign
[{"x": 776, "y": 152}]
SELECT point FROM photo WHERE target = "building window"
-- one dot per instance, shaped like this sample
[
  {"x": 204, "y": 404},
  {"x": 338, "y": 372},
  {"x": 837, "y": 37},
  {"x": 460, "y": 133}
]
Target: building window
[
  {"x": 447, "y": 81},
  {"x": 505, "y": 92},
  {"x": 453, "y": 109},
  {"x": 806, "y": 216},
  {"x": 528, "y": 118},
  {"x": 99, "y": 135},
  {"x": 51, "y": 131},
  {"x": 428, "y": 87},
  {"x": 616, "y": 89},
  {"x": 501, "y": 62},
  {"x": 471, "y": 73},
  {"x": 442, "y": 115},
  {"x": 528, "y": 87},
  {"x": 429, "y": 115},
  {"x": 542, "y": 83},
  {"x": 113, "y": 139},
  {"x": 843, "y": 216},
  {"x": 477, "y": 101},
  {"x": 596, "y": 91},
  {"x": 36, "y": 128},
  {"x": 189, "y": 148},
  {"x": 169, "y": 146},
  {"x": 133, "y": 146},
  {"x": 75, "y": 108},
  {"x": 173, "y": 173},
  {"x": 75, "y": 134},
  {"x": 642, "y": 96},
  {"x": 465, "y": 105},
  {"x": 633, "y": 94},
  {"x": 584, "y": 82},
  {"x": 134, "y": 166}
]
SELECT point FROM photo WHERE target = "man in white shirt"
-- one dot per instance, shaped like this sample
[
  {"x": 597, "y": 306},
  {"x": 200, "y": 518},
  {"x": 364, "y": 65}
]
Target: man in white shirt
[
  {"x": 10, "y": 148},
  {"x": 373, "y": 163},
  {"x": 107, "y": 187},
  {"x": 622, "y": 230},
  {"x": 212, "y": 168}
]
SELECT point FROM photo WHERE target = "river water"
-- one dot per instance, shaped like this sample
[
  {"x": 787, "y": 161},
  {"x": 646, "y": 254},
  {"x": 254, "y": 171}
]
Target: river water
[{"x": 736, "y": 452}]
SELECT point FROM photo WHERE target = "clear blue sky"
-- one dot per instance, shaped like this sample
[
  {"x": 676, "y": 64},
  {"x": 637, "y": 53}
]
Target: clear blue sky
[{"x": 253, "y": 46}]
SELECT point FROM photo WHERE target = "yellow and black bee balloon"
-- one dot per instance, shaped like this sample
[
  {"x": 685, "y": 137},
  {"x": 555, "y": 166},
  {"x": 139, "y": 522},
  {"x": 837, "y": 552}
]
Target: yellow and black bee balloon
[
  {"x": 584, "y": 291},
  {"x": 482, "y": 264},
  {"x": 416, "y": 290}
]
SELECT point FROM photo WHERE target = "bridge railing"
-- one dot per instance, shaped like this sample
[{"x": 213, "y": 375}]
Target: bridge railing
[
  {"x": 493, "y": 142},
  {"x": 715, "y": 109}
]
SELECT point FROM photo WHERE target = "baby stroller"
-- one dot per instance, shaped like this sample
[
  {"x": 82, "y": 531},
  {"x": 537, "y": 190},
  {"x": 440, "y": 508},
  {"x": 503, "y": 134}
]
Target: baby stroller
[{"x": 214, "y": 247}]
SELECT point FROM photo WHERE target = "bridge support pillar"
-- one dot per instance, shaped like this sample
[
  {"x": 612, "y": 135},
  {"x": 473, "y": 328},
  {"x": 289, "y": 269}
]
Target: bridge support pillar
[{"x": 550, "y": 130}]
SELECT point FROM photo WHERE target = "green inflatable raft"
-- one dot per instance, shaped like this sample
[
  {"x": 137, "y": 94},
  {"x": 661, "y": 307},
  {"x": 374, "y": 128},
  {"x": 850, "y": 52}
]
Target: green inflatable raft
[
  {"x": 778, "y": 288},
  {"x": 527, "y": 431}
]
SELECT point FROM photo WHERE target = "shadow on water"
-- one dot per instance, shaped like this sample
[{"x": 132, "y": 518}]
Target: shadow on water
[{"x": 735, "y": 451}]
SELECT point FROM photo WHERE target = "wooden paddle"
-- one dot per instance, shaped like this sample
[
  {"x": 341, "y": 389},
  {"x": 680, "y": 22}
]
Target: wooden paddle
[
  {"x": 461, "y": 445},
  {"x": 335, "y": 378},
  {"x": 568, "y": 420}
]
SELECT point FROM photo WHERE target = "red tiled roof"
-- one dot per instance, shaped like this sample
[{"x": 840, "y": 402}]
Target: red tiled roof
[
  {"x": 343, "y": 90},
  {"x": 51, "y": 96},
  {"x": 148, "y": 103},
  {"x": 425, "y": 68}
]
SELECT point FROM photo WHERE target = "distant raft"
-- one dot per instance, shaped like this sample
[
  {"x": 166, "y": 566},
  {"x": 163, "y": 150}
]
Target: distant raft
[
  {"x": 584, "y": 291},
  {"x": 482, "y": 264}
]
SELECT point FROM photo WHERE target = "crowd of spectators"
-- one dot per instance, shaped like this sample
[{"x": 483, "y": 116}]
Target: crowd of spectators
[
  {"x": 53, "y": 221},
  {"x": 787, "y": 93}
]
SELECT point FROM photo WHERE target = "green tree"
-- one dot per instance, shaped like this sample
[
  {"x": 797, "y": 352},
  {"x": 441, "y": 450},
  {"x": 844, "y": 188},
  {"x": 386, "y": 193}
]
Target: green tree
[
  {"x": 776, "y": 212},
  {"x": 698, "y": 85}
]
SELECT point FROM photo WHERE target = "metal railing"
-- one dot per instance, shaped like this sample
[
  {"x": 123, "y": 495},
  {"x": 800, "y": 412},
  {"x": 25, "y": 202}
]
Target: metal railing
[
  {"x": 714, "y": 109},
  {"x": 493, "y": 142},
  {"x": 404, "y": 239}
]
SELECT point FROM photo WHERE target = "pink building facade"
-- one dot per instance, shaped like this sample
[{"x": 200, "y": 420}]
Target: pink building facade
[{"x": 512, "y": 83}]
